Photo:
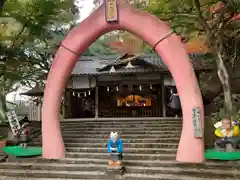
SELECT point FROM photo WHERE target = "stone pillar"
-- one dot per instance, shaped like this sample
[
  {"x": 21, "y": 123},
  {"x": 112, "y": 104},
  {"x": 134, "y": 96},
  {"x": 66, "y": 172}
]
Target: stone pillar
[
  {"x": 96, "y": 102},
  {"x": 163, "y": 97}
]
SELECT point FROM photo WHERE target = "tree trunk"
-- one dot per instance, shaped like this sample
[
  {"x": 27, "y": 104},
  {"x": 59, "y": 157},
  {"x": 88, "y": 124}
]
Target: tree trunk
[
  {"x": 211, "y": 87},
  {"x": 2, "y": 2},
  {"x": 3, "y": 106},
  {"x": 225, "y": 81}
]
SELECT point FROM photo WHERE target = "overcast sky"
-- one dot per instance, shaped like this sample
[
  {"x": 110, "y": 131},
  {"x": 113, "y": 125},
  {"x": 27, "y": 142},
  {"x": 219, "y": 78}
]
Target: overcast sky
[{"x": 87, "y": 7}]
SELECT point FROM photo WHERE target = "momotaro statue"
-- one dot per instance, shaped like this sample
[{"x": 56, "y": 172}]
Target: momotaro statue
[{"x": 115, "y": 147}]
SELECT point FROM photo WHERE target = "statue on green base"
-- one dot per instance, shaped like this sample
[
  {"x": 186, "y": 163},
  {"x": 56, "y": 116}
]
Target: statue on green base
[{"x": 228, "y": 134}]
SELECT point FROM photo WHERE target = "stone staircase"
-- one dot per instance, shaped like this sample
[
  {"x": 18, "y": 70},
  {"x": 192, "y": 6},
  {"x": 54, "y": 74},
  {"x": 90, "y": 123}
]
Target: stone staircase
[{"x": 149, "y": 154}]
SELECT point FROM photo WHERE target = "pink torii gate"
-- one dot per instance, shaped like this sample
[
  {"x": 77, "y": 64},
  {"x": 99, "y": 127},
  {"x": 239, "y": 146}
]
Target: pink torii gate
[{"x": 167, "y": 45}]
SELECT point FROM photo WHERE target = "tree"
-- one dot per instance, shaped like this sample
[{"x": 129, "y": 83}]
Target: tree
[
  {"x": 100, "y": 47},
  {"x": 124, "y": 42},
  {"x": 26, "y": 27}
]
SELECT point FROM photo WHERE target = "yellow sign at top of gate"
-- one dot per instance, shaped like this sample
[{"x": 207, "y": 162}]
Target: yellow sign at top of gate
[{"x": 111, "y": 10}]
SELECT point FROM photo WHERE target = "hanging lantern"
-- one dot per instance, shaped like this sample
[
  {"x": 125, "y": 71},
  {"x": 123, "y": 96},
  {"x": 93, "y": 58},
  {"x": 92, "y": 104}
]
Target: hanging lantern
[
  {"x": 150, "y": 86},
  {"x": 74, "y": 94},
  {"x": 85, "y": 94},
  {"x": 117, "y": 88},
  {"x": 129, "y": 65},
  {"x": 140, "y": 87},
  {"x": 108, "y": 89},
  {"x": 112, "y": 70},
  {"x": 89, "y": 93}
]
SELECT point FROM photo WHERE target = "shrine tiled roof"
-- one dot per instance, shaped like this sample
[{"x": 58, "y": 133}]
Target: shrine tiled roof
[{"x": 101, "y": 65}]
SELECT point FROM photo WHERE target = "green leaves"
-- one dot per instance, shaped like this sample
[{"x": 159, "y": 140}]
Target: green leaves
[
  {"x": 38, "y": 15},
  {"x": 28, "y": 30},
  {"x": 98, "y": 48}
]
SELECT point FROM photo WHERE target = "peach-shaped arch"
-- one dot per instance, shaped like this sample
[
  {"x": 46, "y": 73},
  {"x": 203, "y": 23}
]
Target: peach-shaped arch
[{"x": 150, "y": 29}]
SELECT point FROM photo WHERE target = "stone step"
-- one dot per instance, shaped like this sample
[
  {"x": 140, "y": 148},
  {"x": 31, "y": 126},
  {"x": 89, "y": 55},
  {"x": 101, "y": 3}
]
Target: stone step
[
  {"x": 127, "y": 150},
  {"x": 126, "y": 132},
  {"x": 106, "y": 136},
  {"x": 122, "y": 129},
  {"x": 30, "y": 168},
  {"x": 126, "y": 145},
  {"x": 144, "y": 163},
  {"x": 126, "y": 176},
  {"x": 95, "y": 140},
  {"x": 164, "y": 176},
  {"x": 120, "y": 125},
  {"x": 30, "y": 178},
  {"x": 197, "y": 172},
  {"x": 131, "y": 121},
  {"x": 123, "y": 122},
  {"x": 149, "y": 154},
  {"x": 127, "y": 156},
  {"x": 32, "y": 174}
]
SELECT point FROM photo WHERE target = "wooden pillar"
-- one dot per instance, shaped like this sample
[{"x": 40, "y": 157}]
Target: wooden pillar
[
  {"x": 198, "y": 76},
  {"x": 96, "y": 102},
  {"x": 64, "y": 104},
  {"x": 39, "y": 110},
  {"x": 68, "y": 104},
  {"x": 163, "y": 97}
]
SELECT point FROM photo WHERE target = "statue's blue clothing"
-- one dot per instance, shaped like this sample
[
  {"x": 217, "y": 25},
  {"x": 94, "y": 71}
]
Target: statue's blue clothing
[{"x": 117, "y": 144}]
